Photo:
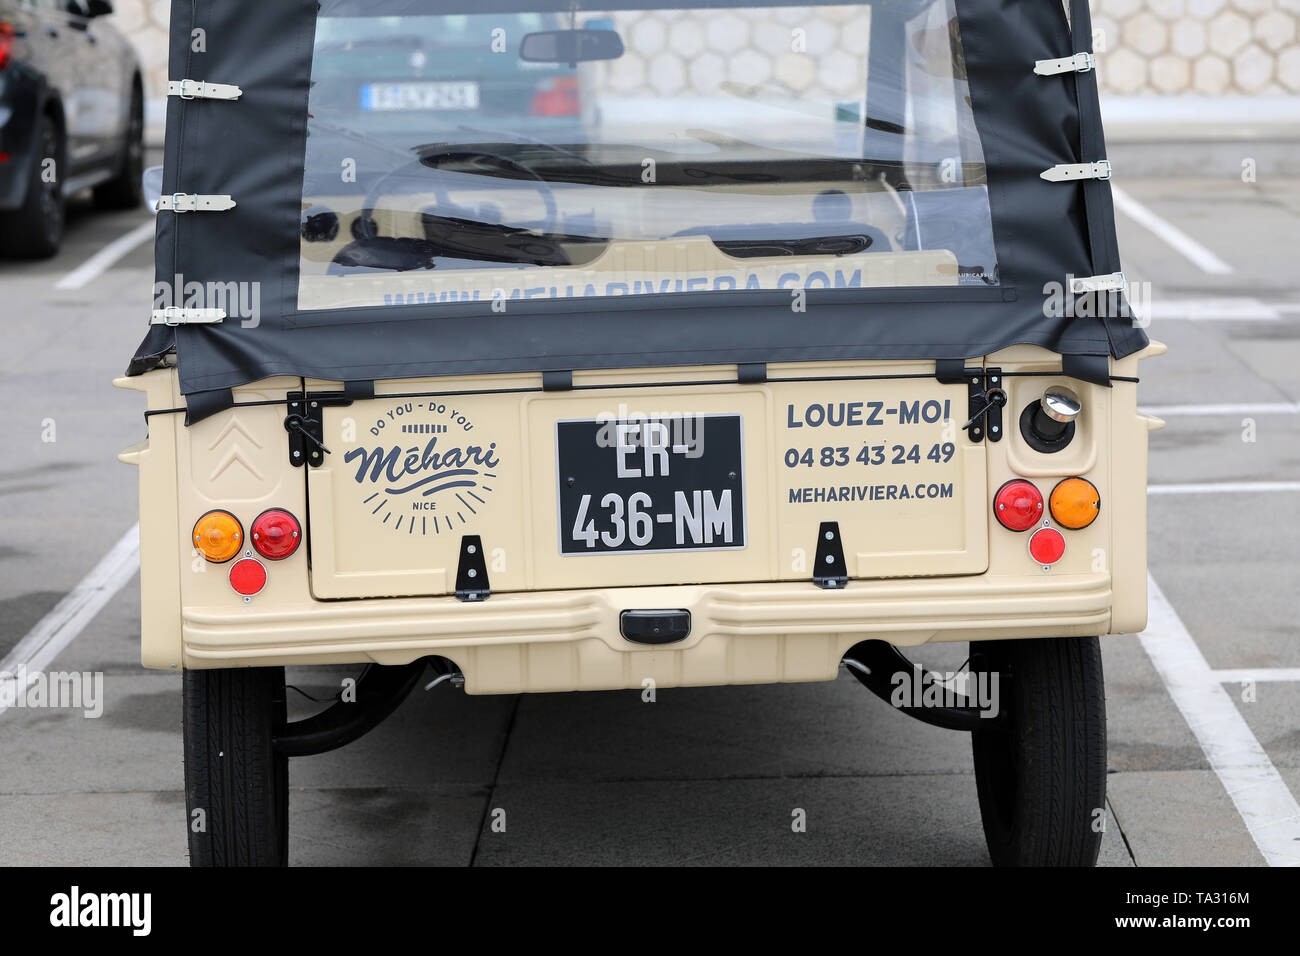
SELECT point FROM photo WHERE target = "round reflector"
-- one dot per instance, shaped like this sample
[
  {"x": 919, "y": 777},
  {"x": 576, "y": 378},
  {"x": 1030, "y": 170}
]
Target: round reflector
[
  {"x": 1018, "y": 505},
  {"x": 218, "y": 536},
  {"x": 1075, "y": 503},
  {"x": 275, "y": 534},
  {"x": 1047, "y": 545},
  {"x": 248, "y": 576}
]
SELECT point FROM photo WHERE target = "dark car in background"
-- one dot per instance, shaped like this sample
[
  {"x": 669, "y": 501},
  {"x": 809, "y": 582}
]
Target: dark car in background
[{"x": 71, "y": 118}]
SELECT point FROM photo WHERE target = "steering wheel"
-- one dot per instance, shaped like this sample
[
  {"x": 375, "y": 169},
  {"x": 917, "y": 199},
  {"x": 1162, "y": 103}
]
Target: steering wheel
[{"x": 365, "y": 222}]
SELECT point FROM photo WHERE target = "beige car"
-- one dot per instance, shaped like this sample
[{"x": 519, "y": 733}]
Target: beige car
[{"x": 549, "y": 378}]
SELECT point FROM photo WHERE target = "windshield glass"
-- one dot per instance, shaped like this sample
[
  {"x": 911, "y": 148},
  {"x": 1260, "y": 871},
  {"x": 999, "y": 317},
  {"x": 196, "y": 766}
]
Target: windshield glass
[{"x": 473, "y": 155}]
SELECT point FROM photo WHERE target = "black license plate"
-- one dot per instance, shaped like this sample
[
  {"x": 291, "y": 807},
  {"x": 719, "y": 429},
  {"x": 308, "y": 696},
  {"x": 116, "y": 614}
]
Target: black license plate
[{"x": 671, "y": 483}]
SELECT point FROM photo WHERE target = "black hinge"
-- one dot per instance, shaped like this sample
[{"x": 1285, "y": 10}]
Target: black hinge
[
  {"x": 471, "y": 573},
  {"x": 985, "y": 398},
  {"x": 305, "y": 423},
  {"x": 829, "y": 570}
]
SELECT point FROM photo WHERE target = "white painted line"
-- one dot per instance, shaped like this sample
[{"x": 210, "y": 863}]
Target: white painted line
[
  {"x": 1192, "y": 250},
  {"x": 105, "y": 258},
  {"x": 1257, "y": 674},
  {"x": 75, "y": 610},
  {"x": 1224, "y": 488},
  {"x": 1258, "y": 791},
  {"x": 1229, "y": 309},
  {"x": 1238, "y": 408}
]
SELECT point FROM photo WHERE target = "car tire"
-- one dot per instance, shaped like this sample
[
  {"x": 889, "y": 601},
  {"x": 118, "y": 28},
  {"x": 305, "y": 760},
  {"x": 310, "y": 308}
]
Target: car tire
[
  {"x": 236, "y": 785},
  {"x": 124, "y": 191},
  {"x": 1041, "y": 773},
  {"x": 35, "y": 229}
]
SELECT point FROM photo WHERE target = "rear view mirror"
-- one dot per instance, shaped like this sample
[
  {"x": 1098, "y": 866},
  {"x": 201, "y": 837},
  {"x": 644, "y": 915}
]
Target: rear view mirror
[
  {"x": 570, "y": 46},
  {"x": 151, "y": 184}
]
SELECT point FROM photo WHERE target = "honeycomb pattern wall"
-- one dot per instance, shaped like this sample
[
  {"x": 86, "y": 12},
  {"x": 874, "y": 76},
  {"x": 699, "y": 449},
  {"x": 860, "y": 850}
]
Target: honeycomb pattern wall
[
  {"x": 1160, "y": 47},
  {"x": 1204, "y": 47}
]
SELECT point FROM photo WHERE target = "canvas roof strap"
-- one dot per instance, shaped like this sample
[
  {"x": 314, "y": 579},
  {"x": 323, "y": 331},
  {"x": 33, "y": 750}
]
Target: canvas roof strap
[
  {"x": 1069, "y": 172},
  {"x": 201, "y": 90},
  {"x": 1078, "y": 63},
  {"x": 190, "y": 202},
  {"x": 178, "y": 316},
  {"x": 1107, "y": 283}
]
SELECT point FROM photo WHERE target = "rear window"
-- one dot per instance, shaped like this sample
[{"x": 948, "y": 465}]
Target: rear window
[{"x": 465, "y": 155}]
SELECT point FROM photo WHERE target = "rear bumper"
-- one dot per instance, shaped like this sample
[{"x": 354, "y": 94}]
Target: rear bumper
[{"x": 569, "y": 640}]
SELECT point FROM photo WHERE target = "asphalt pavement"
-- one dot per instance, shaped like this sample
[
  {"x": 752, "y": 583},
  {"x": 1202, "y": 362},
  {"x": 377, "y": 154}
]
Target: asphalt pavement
[{"x": 1203, "y": 710}]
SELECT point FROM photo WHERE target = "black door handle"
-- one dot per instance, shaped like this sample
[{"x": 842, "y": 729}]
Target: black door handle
[{"x": 51, "y": 32}]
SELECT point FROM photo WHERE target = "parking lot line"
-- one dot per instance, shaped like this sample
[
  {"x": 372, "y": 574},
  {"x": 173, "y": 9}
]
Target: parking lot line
[
  {"x": 1223, "y": 487},
  {"x": 1257, "y": 674},
  {"x": 1221, "y": 309},
  {"x": 1191, "y": 250},
  {"x": 105, "y": 258},
  {"x": 1235, "y": 408},
  {"x": 57, "y": 629},
  {"x": 1257, "y": 790}
]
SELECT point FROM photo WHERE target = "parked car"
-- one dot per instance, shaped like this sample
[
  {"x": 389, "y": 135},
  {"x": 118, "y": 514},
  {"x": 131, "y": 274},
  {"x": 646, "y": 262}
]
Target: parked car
[
  {"x": 71, "y": 118},
  {"x": 881, "y": 319}
]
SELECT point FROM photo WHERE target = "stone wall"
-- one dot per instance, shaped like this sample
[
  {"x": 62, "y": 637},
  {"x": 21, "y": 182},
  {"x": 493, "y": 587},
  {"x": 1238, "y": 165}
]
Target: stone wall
[{"x": 1147, "y": 47}]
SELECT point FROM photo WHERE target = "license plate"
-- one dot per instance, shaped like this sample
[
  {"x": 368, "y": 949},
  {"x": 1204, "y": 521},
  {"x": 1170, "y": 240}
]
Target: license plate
[
  {"x": 419, "y": 96},
  {"x": 670, "y": 483}
]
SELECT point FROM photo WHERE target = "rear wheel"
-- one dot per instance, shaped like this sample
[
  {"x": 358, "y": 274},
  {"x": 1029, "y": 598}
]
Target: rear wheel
[
  {"x": 1041, "y": 773},
  {"x": 35, "y": 229},
  {"x": 124, "y": 191},
  {"x": 236, "y": 785}
]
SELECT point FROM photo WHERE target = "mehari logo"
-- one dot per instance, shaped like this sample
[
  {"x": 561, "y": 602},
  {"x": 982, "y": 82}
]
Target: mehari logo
[
  {"x": 74, "y": 909},
  {"x": 431, "y": 477}
]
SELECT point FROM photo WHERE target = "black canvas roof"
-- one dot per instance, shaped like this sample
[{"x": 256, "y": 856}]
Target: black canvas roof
[{"x": 253, "y": 149}]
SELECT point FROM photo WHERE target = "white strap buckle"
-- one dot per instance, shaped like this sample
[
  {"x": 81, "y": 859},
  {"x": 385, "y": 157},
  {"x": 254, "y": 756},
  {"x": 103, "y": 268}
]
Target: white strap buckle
[
  {"x": 192, "y": 202},
  {"x": 200, "y": 90},
  {"x": 1078, "y": 63},
  {"x": 1106, "y": 283},
  {"x": 1068, "y": 172},
  {"x": 174, "y": 316}
]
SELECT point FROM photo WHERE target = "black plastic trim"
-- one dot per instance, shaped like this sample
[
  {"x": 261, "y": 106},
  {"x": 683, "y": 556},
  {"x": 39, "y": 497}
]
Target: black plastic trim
[{"x": 655, "y": 626}]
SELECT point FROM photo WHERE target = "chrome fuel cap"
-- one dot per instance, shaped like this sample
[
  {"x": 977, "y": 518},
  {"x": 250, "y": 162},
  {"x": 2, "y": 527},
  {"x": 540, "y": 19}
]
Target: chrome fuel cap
[{"x": 1061, "y": 404}]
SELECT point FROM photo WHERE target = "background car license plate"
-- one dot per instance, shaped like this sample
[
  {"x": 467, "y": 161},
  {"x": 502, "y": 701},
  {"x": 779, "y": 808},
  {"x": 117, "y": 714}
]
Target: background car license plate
[
  {"x": 419, "y": 96},
  {"x": 674, "y": 483}
]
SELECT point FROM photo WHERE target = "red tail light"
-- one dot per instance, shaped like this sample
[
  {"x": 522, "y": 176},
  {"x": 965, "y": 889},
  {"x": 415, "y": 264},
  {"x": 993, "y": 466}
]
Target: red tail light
[
  {"x": 1018, "y": 505},
  {"x": 6, "y": 43},
  {"x": 275, "y": 534},
  {"x": 556, "y": 96}
]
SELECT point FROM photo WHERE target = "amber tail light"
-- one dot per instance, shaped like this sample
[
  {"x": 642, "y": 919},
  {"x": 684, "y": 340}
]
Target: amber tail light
[
  {"x": 1075, "y": 503},
  {"x": 218, "y": 536}
]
